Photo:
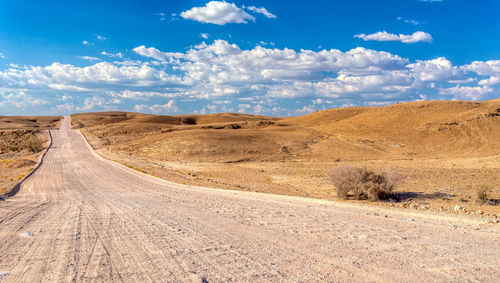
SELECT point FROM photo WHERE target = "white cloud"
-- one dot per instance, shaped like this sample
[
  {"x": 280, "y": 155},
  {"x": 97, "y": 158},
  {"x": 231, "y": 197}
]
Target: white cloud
[
  {"x": 487, "y": 68},
  {"x": 88, "y": 58},
  {"x": 85, "y": 42},
  {"x": 222, "y": 61},
  {"x": 100, "y": 37},
  {"x": 141, "y": 95},
  {"x": 117, "y": 55},
  {"x": 261, "y": 10},
  {"x": 168, "y": 107},
  {"x": 439, "y": 69},
  {"x": 67, "y": 87},
  {"x": 409, "y": 21},
  {"x": 260, "y": 78},
  {"x": 204, "y": 35},
  {"x": 219, "y": 13},
  {"x": 418, "y": 36},
  {"x": 99, "y": 75},
  {"x": 2, "y": 56},
  {"x": 155, "y": 53},
  {"x": 467, "y": 92}
]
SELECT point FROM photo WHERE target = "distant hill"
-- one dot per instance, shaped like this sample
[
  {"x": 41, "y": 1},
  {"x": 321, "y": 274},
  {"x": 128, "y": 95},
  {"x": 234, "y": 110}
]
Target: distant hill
[{"x": 408, "y": 130}]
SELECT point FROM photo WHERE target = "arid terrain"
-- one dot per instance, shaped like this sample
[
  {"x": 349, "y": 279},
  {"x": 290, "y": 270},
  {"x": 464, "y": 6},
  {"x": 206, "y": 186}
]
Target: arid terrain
[
  {"x": 16, "y": 160},
  {"x": 83, "y": 218},
  {"x": 445, "y": 149}
]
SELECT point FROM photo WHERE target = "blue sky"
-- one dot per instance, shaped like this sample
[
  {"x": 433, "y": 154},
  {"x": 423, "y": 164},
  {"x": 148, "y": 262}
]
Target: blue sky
[{"x": 276, "y": 58}]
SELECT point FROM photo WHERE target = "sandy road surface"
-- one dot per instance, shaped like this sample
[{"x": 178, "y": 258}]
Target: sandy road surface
[{"x": 83, "y": 218}]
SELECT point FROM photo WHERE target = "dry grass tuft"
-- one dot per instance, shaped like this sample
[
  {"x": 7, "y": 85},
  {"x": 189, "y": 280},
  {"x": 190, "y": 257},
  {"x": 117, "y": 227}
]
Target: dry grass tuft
[
  {"x": 364, "y": 184},
  {"x": 34, "y": 143},
  {"x": 482, "y": 194}
]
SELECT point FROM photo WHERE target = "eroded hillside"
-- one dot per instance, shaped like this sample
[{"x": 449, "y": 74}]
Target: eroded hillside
[{"x": 445, "y": 148}]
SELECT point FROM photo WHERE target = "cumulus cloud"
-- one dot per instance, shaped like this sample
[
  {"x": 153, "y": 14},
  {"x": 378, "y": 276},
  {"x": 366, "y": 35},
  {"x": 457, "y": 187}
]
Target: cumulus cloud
[
  {"x": 261, "y": 10},
  {"x": 155, "y": 53},
  {"x": 491, "y": 69},
  {"x": 222, "y": 61},
  {"x": 418, "y": 36},
  {"x": 100, "y": 37},
  {"x": 85, "y": 42},
  {"x": 2, "y": 56},
  {"x": 204, "y": 35},
  {"x": 166, "y": 108},
  {"x": 256, "y": 80},
  {"x": 467, "y": 92},
  {"x": 439, "y": 69},
  {"x": 93, "y": 76},
  {"x": 219, "y": 13}
]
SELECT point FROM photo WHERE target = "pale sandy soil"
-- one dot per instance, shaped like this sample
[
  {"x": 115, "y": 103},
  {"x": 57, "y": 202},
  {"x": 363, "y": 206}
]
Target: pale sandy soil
[
  {"x": 84, "y": 218},
  {"x": 429, "y": 185}
]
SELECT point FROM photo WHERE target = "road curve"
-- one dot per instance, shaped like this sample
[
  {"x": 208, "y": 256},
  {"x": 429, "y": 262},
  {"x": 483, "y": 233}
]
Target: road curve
[{"x": 82, "y": 218}]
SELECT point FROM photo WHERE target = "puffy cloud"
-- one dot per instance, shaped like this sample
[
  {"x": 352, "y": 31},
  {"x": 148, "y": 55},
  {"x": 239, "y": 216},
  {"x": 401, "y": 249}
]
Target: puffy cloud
[
  {"x": 225, "y": 62},
  {"x": 164, "y": 108},
  {"x": 97, "y": 75},
  {"x": 257, "y": 80},
  {"x": 467, "y": 92},
  {"x": 487, "y": 68},
  {"x": 204, "y": 35},
  {"x": 100, "y": 37},
  {"x": 219, "y": 13},
  {"x": 418, "y": 36},
  {"x": 17, "y": 98},
  {"x": 155, "y": 53},
  {"x": 261, "y": 10},
  {"x": 2, "y": 56},
  {"x": 439, "y": 69}
]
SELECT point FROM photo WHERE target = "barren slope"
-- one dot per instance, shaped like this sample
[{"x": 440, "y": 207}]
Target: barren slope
[
  {"x": 16, "y": 161},
  {"x": 82, "y": 218},
  {"x": 447, "y": 149}
]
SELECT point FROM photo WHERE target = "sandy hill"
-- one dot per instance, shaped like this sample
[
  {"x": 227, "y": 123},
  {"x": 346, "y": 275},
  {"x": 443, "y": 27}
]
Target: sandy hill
[
  {"x": 430, "y": 128},
  {"x": 29, "y": 122},
  {"x": 407, "y": 130}
]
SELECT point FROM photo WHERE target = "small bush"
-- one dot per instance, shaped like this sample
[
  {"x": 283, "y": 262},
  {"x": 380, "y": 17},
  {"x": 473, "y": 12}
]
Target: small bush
[
  {"x": 363, "y": 183},
  {"x": 482, "y": 194},
  {"x": 34, "y": 143}
]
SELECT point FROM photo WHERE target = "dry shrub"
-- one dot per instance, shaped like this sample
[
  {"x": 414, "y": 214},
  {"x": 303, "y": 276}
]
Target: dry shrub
[
  {"x": 34, "y": 143},
  {"x": 362, "y": 183},
  {"x": 482, "y": 194}
]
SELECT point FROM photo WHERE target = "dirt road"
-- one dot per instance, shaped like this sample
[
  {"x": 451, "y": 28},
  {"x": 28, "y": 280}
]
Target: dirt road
[{"x": 81, "y": 218}]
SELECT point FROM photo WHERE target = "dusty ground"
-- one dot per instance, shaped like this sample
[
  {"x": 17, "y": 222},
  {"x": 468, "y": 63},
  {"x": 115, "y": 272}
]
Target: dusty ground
[
  {"x": 16, "y": 161},
  {"x": 446, "y": 149},
  {"x": 83, "y": 218}
]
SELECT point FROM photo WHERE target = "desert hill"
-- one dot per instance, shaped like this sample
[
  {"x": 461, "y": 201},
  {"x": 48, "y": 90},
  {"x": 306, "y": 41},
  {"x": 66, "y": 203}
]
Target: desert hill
[
  {"x": 446, "y": 149},
  {"x": 29, "y": 122},
  {"x": 406, "y": 130}
]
